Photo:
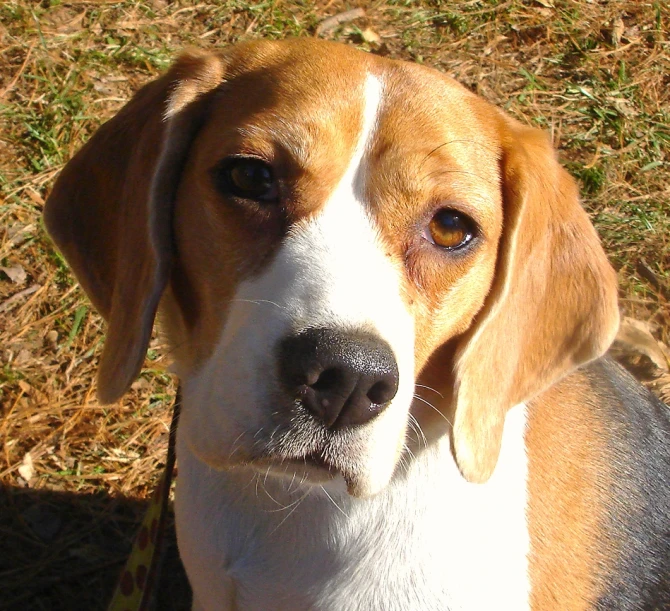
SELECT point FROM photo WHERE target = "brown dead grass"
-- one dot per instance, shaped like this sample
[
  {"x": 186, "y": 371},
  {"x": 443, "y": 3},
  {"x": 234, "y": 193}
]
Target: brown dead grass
[{"x": 594, "y": 73}]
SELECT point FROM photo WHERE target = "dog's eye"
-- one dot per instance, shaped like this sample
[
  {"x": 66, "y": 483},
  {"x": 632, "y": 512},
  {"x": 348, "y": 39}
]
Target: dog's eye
[
  {"x": 450, "y": 229},
  {"x": 248, "y": 178}
]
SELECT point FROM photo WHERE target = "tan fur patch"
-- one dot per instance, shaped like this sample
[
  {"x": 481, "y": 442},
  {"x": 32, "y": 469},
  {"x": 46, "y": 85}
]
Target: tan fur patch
[{"x": 569, "y": 469}]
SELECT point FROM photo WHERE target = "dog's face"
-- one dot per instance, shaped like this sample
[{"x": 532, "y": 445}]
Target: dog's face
[
  {"x": 337, "y": 252},
  {"x": 330, "y": 233}
]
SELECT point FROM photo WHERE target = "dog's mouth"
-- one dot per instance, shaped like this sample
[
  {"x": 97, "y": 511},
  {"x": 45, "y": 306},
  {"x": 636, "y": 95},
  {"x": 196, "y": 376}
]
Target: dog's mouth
[
  {"x": 316, "y": 460},
  {"x": 312, "y": 469},
  {"x": 312, "y": 466}
]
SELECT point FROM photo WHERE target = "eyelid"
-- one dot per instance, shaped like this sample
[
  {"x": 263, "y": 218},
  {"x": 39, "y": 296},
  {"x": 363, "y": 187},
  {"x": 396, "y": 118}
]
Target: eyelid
[
  {"x": 470, "y": 208},
  {"x": 244, "y": 156},
  {"x": 228, "y": 159},
  {"x": 471, "y": 212}
]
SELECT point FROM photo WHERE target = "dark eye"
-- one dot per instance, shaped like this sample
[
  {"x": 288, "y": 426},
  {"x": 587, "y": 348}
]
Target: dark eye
[
  {"x": 450, "y": 229},
  {"x": 248, "y": 178}
]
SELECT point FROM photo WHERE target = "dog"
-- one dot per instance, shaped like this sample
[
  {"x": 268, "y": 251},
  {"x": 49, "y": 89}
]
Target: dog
[{"x": 388, "y": 312}]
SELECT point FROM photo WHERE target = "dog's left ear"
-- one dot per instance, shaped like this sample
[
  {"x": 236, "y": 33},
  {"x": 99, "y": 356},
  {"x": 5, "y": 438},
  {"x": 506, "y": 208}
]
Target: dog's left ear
[
  {"x": 552, "y": 307},
  {"x": 110, "y": 211}
]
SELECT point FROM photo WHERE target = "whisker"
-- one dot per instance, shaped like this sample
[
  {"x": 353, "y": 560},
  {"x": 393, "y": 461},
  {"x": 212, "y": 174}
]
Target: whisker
[
  {"x": 290, "y": 486},
  {"x": 251, "y": 479},
  {"x": 437, "y": 392},
  {"x": 416, "y": 427},
  {"x": 454, "y": 171},
  {"x": 333, "y": 502},
  {"x": 290, "y": 513},
  {"x": 457, "y": 141},
  {"x": 285, "y": 507},
  {"x": 260, "y": 302},
  {"x": 429, "y": 404},
  {"x": 282, "y": 506},
  {"x": 234, "y": 446},
  {"x": 265, "y": 479},
  {"x": 407, "y": 449}
]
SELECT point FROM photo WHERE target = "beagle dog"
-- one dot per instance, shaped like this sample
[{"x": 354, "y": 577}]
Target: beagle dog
[{"x": 387, "y": 310}]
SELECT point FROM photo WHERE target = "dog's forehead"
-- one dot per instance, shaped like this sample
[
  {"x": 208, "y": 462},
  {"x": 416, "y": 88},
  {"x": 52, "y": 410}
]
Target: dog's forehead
[
  {"x": 313, "y": 69},
  {"x": 298, "y": 65},
  {"x": 306, "y": 100}
]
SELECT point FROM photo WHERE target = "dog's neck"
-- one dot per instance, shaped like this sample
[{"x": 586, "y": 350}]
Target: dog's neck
[{"x": 429, "y": 535}]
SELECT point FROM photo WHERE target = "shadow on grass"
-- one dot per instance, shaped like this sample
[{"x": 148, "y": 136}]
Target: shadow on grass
[{"x": 64, "y": 551}]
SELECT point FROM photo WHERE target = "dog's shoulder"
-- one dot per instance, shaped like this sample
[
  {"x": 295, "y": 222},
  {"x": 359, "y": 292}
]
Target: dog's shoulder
[{"x": 599, "y": 483}]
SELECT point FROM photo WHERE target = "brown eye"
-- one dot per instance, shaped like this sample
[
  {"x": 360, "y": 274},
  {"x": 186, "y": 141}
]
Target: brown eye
[
  {"x": 450, "y": 229},
  {"x": 248, "y": 178}
]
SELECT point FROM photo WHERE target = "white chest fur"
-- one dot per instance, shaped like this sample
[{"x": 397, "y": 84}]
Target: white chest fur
[{"x": 429, "y": 541}]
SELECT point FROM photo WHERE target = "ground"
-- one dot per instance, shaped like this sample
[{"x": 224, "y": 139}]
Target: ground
[{"x": 74, "y": 475}]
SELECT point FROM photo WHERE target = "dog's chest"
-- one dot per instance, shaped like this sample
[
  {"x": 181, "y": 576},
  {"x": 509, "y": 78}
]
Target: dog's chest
[{"x": 429, "y": 541}]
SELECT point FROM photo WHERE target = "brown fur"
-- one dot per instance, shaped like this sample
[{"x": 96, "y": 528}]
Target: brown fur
[
  {"x": 570, "y": 465},
  {"x": 115, "y": 235},
  {"x": 552, "y": 307}
]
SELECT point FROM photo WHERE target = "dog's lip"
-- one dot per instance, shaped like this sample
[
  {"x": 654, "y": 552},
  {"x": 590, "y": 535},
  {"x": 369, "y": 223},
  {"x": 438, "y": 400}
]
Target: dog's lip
[
  {"x": 314, "y": 459},
  {"x": 316, "y": 462},
  {"x": 316, "y": 469},
  {"x": 311, "y": 462}
]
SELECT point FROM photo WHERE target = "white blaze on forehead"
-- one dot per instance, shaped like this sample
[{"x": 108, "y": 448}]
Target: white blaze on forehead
[{"x": 354, "y": 177}]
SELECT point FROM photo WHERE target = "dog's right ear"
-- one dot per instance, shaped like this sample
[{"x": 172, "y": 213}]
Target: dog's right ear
[{"x": 110, "y": 211}]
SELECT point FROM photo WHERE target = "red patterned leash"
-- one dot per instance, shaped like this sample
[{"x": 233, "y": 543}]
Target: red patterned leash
[{"x": 134, "y": 591}]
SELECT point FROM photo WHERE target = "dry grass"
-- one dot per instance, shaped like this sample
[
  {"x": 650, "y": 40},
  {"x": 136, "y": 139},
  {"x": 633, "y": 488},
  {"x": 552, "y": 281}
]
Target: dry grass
[{"x": 73, "y": 474}]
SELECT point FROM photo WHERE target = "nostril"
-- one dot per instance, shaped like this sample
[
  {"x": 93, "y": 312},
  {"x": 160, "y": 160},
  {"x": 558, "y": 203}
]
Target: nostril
[
  {"x": 330, "y": 379},
  {"x": 381, "y": 392}
]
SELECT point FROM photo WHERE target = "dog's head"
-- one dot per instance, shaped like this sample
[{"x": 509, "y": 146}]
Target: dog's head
[{"x": 344, "y": 248}]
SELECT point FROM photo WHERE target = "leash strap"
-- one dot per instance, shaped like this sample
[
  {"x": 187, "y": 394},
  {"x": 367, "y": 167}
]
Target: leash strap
[{"x": 135, "y": 587}]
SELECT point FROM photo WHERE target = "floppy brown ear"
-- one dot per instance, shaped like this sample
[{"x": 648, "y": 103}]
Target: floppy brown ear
[
  {"x": 552, "y": 307},
  {"x": 110, "y": 210}
]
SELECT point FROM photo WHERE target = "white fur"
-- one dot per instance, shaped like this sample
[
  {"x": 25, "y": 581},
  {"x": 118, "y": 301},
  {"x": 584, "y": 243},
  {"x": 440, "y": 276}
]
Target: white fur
[{"x": 429, "y": 541}]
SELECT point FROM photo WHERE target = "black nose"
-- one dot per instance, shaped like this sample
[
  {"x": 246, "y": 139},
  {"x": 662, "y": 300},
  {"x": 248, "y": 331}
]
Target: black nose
[{"x": 343, "y": 379}]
